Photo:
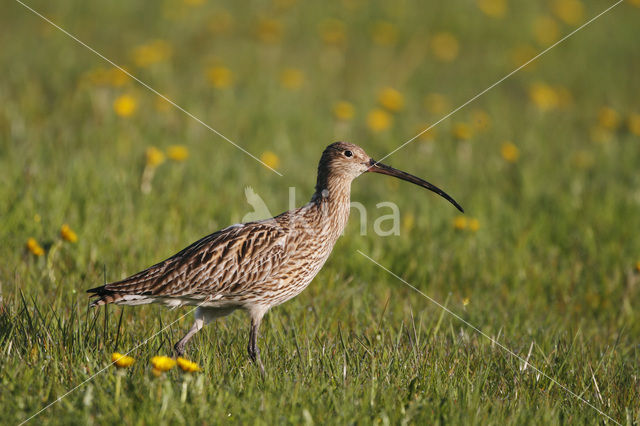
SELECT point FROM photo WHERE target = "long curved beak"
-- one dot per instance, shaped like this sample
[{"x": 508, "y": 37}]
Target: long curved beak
[{"x": 376, "y": 167}]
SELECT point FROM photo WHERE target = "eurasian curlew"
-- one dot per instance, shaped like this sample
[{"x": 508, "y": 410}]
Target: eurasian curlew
[{"x": 257, "y": 265}]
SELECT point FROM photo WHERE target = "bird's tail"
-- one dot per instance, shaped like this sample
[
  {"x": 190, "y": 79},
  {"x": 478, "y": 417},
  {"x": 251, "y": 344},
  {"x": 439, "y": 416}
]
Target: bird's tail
[{"x": 103, "y": 296}]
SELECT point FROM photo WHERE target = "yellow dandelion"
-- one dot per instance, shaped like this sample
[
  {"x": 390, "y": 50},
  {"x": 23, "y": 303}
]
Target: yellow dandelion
[
  {"x": 445, "y": 46},
  {"x": 177, "y": 153},
  {"x": 68, "y": 234},
  {"x": 34, "y": 247},
  {"x": 163, "y": 363},
  {"x": 569, "y": 11},
  {"x": 522, "y": 54},
  {"x": 187, "y": 366},
  {"x": 462, "y": 131},
  {"x": 379, "y": 120},
  {"x": 460, "y": 223},
  {"x": 333, "y": 32},
  {"x": 384, "y": 33},
  {"x": 466, "y": 301},
  {"x": 493, "y": 8},
  {"x": 545, "y": 30},
  {"x": 638, "y": 266},
  {"x": 437, "y": 103},
  {"x": 269, "y": 30},
  {"x": 608, "y": 118},
  {"x": 37, "y": 218},
  {"x": 221, "y": 22},
  {"x": 155, "y": 157},
  {"x": 151, "y": 53},
  {"x": 510, "y": 153},
  {"x": 480, "y": 120},
  {"x": 391, "y": 99},
  {"x": 474, "y": 225},
  {"x": 270, "y": 159},
  {"x": 291, "y": 78},
  {"x": 220, "y": 77},
  {"x": 408, "y": 222},
  {"x": 125, "y": 105},
  {"x": 634, "y": 123},
  {"x": 634, "y": 2},
  {"x": 121, "y": 361},
  {"x": 343, "y": 110},
  {"x": 543, "y": 96}
]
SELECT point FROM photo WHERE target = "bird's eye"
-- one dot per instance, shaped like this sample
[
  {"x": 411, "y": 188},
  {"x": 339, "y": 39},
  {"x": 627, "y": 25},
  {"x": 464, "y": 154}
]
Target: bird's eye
[{"x": 348, "y": 153}]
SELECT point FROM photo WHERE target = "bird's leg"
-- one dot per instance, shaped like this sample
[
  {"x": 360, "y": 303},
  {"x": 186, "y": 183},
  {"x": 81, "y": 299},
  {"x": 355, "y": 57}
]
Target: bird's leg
[
  {"x": 254, "y": 351},
  {"x": 197, "y": 325}
]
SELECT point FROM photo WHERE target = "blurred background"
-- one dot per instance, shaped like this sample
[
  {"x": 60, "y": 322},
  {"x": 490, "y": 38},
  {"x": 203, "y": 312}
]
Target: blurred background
[{"x": 101, "y": 177}]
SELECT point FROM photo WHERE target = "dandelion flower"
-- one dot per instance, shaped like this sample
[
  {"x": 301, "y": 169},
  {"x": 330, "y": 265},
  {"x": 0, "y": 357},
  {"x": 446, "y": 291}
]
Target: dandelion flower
[
  {"x": 384, "y": 34},
  {"x": 270, "y": 159},
  {"x": 460, "y": 223},
  {"x": 569, "y": 11},
  {"x": 269, "y": 31},
  {"x": 493, "y": 8},
  {"x": 462, "y": 131},
  {"x": 474, "y": 225},
  {"x": 408, "y": 222},
  {"x": 436, "y": 103},
  {"x": 634, "y": 123},
  {"x": 121, "y": 361},
  {"x": 177, "y": 153},
  {"x": 638, "y": 266},
  {"x": 333, "y": 32},
  {"x": 163, "y": 363},
  {"x": 545, "y": 30},
  {"x": 151, "y": 53},
  {"x": 509, "y": 152},
  {"x": 37, "y": 218},
  {"x": 34, "y": 247},
  {"x": 543, "y": 96},
  {"x": 68, "y": 234},
  {"x": 480, "y": 120},
  {"x": 466, "y": 301},
  {"x": 343, "y": 110},
  {"x": 292, "y": 78},
  {"x": 391, "y": 99},
  {"x": 379, "y": 120},
  {"x": 155, "y": 157},
  {"x": 608, "y": 118},
  {"x": 125, "y": 105},
  {"x": 187, "y": 366},
  {"x": 445, "y": 46},
  {"x": 220, "y": 77}
]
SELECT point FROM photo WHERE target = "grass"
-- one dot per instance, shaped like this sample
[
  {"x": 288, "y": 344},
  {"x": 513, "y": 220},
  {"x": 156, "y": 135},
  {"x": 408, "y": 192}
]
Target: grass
[{"x": 550, "y": 273}]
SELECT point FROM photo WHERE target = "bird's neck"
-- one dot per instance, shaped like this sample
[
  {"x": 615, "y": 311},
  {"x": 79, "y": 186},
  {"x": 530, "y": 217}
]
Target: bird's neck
[{"x": 331, "y": 201}]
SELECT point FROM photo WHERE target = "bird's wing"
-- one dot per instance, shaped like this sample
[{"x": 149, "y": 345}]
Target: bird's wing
[{"x": 224, "y": 262}]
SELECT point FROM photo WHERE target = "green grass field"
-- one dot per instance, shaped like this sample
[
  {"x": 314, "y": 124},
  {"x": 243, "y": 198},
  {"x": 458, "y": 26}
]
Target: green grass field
[{"x": 546, "y": 260}]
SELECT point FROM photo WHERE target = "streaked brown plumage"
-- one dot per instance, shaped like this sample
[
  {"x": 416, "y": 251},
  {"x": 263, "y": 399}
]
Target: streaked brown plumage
[{"x": 257, "y": 265}]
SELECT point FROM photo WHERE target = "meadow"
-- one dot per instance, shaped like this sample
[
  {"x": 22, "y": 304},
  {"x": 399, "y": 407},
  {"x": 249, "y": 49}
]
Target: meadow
[{"x": 100, "y": 178}]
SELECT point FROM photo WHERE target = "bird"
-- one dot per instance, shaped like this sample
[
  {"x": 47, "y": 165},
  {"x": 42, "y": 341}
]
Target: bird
[{"x": 258, "y": 265}]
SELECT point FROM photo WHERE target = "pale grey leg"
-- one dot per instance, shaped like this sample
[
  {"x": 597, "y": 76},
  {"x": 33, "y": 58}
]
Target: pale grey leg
[{"x": 203, "y": 317}]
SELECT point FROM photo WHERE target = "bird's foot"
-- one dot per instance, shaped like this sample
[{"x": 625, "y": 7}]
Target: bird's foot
[{"x": 178, "y": 349}]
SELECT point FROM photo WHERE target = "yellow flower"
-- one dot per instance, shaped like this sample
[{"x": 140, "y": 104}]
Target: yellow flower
[
  {"x": 68, "y": 234},
  {"x": 292, "y": 78},
  {"x": 155, "y": 157},
  {"x": 220, "y": 76},
  {"x": 269, "y": 30},
  {"x": 608, "y": 118},
  {"x": 638, "y": 266},
  {"x": 151, "y": 53},
  {"x": 177, "y": 153},
  {"x": 569, "y": 11},
  {"x": 343, "y": 110},
  {"x": 462, "y": 131},
  {"x": 466, "y": 301},
  {"x": 34, "y": 247},
  {"x": 460, "y": 223},
  {"x": 37, "y": 218},
  {"x": 546, "y": 30},
  {"x": 333, "y": 32},
  {"x": 125, "y": 105},
  {"x": 493, "y": 8},
  {"x": 163, "y": 363},
  {"x": 187, "y": 366},
  {"x": 378, "y": 120},
  {"x": 221, "y": 22},
  {"x": 634, "y": 2},
  {"x": 522, "y": 54},
  {"x": 121, "y": 361},
  {"x": 544, "y": 96},
  {"x": 634, "y": 123},
  {"x": 391, "y": 99},
  {"x": 384, "y": 33},
  {"x": 407, "y": 222},
  {"x": 436, "y": 103},
  {"x": 270, "y": 159},
  {"x": 445, "y": 46},
  {"x": 510, "y": 152},
  {"x": 480, "y": 120},
  {"x": 474, "y": 224}
]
